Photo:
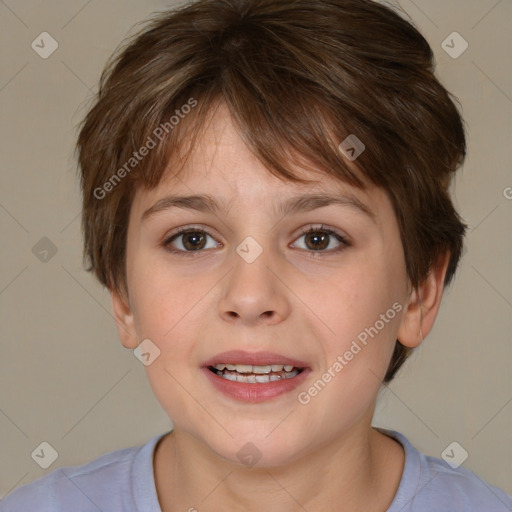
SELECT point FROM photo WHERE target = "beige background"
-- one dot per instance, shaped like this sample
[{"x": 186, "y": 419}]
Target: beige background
[{"x": 64, "y": 376}]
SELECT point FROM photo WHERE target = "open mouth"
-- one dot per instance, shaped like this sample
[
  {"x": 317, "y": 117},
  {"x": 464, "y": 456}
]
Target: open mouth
[
  {"x": 254, "y": 377},
  {"x": 255, "y": 374}
]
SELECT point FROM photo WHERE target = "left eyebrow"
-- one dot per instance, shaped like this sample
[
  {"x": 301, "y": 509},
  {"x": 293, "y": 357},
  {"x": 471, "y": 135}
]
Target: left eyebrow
[
  {"x": 311, "y": 202},
  {"x": 304, "y": 203}
]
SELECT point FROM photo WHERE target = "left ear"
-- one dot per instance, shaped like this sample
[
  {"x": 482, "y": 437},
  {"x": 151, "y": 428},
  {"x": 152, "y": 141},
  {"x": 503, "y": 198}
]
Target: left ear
[{"x": 424, "y": 305}]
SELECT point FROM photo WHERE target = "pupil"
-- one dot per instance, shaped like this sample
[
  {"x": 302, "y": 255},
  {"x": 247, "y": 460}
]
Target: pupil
[
  {"x": 322, "y": 238},
  {"x": 194, "y": 236}
]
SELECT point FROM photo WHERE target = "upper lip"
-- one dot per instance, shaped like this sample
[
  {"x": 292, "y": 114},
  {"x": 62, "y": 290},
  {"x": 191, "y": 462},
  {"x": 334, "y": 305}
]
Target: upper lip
[{"x": 253, "y": 358}]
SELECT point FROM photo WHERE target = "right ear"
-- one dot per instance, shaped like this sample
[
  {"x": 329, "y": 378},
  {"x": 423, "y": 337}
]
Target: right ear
[{"x": 124, "y": 320}]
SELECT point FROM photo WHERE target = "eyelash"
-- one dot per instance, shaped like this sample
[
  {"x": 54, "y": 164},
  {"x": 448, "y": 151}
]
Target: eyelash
[{"x": 314, "y": 254}]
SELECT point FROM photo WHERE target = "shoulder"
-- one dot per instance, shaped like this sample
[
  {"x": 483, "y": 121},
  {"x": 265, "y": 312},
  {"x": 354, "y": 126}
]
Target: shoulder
[
  {"x": 460, "y": 485},
  {"x": 105, "y": 483},
  {"x": 429, "y": 483}
]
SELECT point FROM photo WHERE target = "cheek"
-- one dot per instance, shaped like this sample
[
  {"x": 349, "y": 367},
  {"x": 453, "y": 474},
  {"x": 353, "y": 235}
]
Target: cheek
[
  {"x": 162, "y": 304},
  {"x": 363, "y": 308},
  {"x": 362, "y": 291},
  {"x": 162, "y": 298}
]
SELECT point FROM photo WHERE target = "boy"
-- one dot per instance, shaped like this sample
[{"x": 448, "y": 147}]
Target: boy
[{"x": 265, "y": 195}]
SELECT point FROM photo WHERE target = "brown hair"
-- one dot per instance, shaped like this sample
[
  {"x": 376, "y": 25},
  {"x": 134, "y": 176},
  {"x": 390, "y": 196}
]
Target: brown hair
[{"x": 298, "y": 77}]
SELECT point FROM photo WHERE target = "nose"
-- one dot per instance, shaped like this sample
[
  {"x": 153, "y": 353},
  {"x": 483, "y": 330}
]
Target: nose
[{"x": 253, "y": 292}]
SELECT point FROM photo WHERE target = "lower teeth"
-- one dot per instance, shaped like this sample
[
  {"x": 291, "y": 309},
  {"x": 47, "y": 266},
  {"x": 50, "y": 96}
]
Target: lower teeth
[{"x": 255, "y": 378}]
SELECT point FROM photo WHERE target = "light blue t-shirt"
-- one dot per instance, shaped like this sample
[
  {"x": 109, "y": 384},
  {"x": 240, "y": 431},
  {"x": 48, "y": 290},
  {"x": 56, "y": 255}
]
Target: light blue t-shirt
[{"x": 123, "y": 481}]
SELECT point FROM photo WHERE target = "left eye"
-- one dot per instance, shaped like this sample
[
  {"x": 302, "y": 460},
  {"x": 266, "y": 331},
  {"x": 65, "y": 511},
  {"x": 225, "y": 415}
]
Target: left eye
[
  {"x": 194, "y": 240},
  {"x": 318, "y": 239}
]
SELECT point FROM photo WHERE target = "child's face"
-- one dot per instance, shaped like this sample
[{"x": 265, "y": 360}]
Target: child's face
[{"x": 196, "y": 306}]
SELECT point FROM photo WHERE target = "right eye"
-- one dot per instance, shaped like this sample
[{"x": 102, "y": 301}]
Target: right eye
[{"x": 190, "y": 239}]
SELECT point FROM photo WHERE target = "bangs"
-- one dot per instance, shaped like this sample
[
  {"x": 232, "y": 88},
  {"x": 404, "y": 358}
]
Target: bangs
[{"x": 299, "y": 135}]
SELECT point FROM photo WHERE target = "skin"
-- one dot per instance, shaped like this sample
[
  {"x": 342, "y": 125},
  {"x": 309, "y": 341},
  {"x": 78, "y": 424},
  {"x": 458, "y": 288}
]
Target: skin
[{"x": 320, "y": 456}]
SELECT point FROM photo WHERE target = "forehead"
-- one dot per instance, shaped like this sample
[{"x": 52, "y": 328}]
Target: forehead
[
  {"x": 221, "y": 166},
  {"x": 220, "y": 153}
]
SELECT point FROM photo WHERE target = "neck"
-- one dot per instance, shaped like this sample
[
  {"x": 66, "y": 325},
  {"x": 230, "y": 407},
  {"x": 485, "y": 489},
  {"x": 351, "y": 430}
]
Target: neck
[{"x": 360, "y": 471}]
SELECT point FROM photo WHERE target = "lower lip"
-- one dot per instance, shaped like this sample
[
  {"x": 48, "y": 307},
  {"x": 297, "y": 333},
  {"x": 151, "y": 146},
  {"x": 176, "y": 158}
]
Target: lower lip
[{"x": 249, "y": 392}]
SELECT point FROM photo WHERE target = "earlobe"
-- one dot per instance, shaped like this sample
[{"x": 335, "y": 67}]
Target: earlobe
[
  {"x": 423, "y": 306},
  {"x": 124, "y": 320}
]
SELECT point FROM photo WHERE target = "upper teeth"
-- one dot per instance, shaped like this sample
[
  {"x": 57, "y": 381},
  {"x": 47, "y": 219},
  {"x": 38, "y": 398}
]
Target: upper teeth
[{"x": 249, "y": 368}]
